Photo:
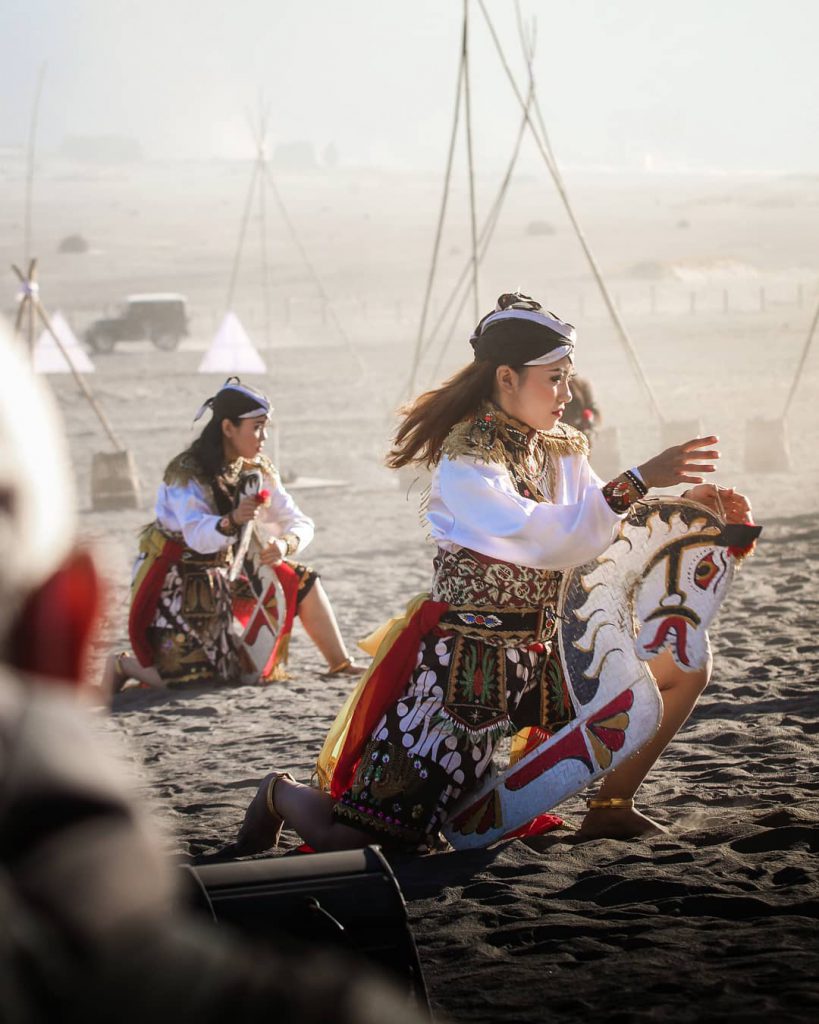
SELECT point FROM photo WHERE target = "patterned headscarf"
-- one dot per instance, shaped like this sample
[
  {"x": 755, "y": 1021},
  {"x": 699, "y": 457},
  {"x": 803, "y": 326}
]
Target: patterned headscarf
[
  {"x": 519, "y": 333},
  {"x": 235, "y": 401}
]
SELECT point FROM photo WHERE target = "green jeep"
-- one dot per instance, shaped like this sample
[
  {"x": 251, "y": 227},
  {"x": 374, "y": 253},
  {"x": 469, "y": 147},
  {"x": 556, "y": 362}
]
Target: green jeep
[{"x": 160, "y": 318}]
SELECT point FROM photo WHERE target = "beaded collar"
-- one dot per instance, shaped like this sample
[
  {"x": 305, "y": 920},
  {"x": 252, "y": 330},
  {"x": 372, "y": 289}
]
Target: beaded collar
[{"x": 529, "y": 455}]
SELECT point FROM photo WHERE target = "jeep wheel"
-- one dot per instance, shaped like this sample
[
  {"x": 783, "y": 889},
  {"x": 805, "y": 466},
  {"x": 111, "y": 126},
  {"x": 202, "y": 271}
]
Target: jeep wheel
[
  {"x": 166, "y": 342},
  {"x": 99, "y": 341}
]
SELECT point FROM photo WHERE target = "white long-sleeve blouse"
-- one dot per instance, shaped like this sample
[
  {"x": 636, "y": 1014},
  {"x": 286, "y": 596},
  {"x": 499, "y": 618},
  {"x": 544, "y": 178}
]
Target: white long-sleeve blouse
[
  {"x": 188, "y": 509},
  {"x": 474, "y": 504}
]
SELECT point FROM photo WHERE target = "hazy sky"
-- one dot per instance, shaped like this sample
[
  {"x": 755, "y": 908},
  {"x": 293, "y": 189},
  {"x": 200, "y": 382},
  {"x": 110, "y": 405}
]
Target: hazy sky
[{"x": 691, "y": 84}]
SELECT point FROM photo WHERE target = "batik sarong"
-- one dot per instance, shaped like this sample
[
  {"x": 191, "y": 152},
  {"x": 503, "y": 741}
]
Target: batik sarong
[
  {"x": 482, "y": 672},
  {"x": 182, "y": 606}
]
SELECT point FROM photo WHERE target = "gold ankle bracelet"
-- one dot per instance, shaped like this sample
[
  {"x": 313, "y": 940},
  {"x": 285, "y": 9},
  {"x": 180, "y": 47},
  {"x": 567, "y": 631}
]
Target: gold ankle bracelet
[
  {"x": 271, "y": 789},
  {"x": 271, "y": 807},
  {"x": 614, "y": 803},
  {"x": 334, "y": 669}
]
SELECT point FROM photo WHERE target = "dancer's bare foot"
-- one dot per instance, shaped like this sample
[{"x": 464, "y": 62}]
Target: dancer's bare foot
[
  {"x": 122, "y": 667},
  {"x": 617, "y": 823},
  {"x": 263, "y": 824},
  {"x": 347, "y": 667},
  {"x": 114, "y": 676}
]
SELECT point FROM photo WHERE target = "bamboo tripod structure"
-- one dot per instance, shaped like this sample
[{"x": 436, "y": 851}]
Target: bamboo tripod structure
[
  {"x": 114, "y": 479},
  {"x": 262, "y": 179},
  {"x": 533, "y": 120},
  {"x": 29, "y": 309}
]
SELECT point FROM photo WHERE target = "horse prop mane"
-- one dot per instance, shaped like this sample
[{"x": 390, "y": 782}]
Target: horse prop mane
[{"x": 657, "y": 587}]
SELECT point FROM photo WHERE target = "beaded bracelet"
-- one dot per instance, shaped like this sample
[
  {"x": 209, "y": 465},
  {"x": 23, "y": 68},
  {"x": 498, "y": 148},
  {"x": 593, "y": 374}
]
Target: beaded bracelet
[
  {"x": 226, "y": 526},
  {"x": 292, "y": 542},
  {"x": 637, "y": 481},
  {"x": 621, "y": 492}
]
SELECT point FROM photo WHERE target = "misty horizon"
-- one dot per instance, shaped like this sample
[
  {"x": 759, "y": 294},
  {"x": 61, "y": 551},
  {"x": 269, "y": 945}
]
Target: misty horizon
[{"x": 634, "y": 87}]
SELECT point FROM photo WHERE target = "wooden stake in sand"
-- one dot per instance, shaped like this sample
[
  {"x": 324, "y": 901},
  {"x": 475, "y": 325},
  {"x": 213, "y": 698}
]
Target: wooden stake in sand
[
  {"x": 114, "y": 481},
  {"x": 767, "y": 449}
]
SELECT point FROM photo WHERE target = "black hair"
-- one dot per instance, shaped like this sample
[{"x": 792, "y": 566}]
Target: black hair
[{"x": 208, "y": 449}]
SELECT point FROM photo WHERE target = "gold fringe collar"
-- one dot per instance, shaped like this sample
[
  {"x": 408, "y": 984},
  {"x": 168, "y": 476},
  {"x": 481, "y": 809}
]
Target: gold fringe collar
[
  {"x": 184, "y": 468},
  {"x": 482, "y": 437},
  {"x": 492, "y": 436}
]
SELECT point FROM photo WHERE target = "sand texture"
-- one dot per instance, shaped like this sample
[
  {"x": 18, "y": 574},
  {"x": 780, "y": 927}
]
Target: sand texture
[{"x": 715, "y": 920}]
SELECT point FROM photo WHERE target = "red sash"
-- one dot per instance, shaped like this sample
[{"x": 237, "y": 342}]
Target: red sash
[
  {"x": 384, "y": 687},
  {"x": 145, "y": 591}
]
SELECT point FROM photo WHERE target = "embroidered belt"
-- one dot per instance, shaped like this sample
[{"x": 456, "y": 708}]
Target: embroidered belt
[
  {"x": 467, "y": 579},
  {"x": 191, "y": 560},
  {"x": 502, "y": 627}
]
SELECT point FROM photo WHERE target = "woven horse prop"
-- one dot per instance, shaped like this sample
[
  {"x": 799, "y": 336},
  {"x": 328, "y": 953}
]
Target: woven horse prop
[
  {"x": 259, "y": 614},
  {"x": 657, "y": 587}
]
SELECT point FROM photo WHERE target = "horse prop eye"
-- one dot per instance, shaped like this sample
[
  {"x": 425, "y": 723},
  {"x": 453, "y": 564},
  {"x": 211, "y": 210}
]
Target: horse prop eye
[{"x": 705, "y": 571}]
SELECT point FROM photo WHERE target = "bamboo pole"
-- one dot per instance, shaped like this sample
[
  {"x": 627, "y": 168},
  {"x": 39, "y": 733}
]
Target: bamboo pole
[
  {"x": 802, "y": 359},
  {"x": 234, "y": 274},
  {"x": 419, "y": 340},
  {"x": 331, "y": 310},
  {"x": 548, "y": 156},
  {"x": 263, "y": 242},
  {"x": 484, "y": 239},
  {"x": 471, "y": 165},
  {"x": 30, "y": 299},
  {"x": 32, "y": 138}
]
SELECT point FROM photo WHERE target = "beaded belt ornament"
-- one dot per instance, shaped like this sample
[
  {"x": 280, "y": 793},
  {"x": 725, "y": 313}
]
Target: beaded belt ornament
[{"x": 502, "y": 627}]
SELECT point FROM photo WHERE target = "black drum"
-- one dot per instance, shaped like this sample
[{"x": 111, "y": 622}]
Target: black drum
[{"x": 349, "y": 899}]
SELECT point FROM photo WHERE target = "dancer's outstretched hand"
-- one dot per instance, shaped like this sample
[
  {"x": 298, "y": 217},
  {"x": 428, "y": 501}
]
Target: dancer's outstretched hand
[{"x": 681, "y": 464}]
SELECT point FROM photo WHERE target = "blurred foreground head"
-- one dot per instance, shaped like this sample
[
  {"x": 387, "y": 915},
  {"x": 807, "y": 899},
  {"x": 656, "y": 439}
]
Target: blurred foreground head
[{"x": 48, "y": 591}]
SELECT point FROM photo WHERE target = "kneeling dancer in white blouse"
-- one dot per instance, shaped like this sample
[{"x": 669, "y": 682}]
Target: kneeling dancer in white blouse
[{"x": 513, "y": 501}]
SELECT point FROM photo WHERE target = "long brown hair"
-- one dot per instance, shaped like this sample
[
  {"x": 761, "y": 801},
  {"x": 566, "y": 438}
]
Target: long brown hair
[{"x": 431, "y": 416}]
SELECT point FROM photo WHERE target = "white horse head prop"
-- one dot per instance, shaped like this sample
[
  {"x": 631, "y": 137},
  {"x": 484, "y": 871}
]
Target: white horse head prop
[
  {"x": 662, "y": 581},
  {"x": 657, "y": 587}
]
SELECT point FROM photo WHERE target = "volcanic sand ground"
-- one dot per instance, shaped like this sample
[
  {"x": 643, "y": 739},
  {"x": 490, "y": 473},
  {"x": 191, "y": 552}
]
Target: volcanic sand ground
[{"x": 716, "y": 919}]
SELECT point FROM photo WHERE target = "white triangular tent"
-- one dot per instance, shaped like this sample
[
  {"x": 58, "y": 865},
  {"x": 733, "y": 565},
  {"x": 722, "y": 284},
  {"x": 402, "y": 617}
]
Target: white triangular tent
[
  {"x": 47, "y": 356},
  {"x": 232, "y": 351}
]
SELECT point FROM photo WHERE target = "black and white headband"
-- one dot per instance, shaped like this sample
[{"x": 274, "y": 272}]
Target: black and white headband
[
  {"x": 235, "y": 401},
  {"x": 518, "y": 332}
]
